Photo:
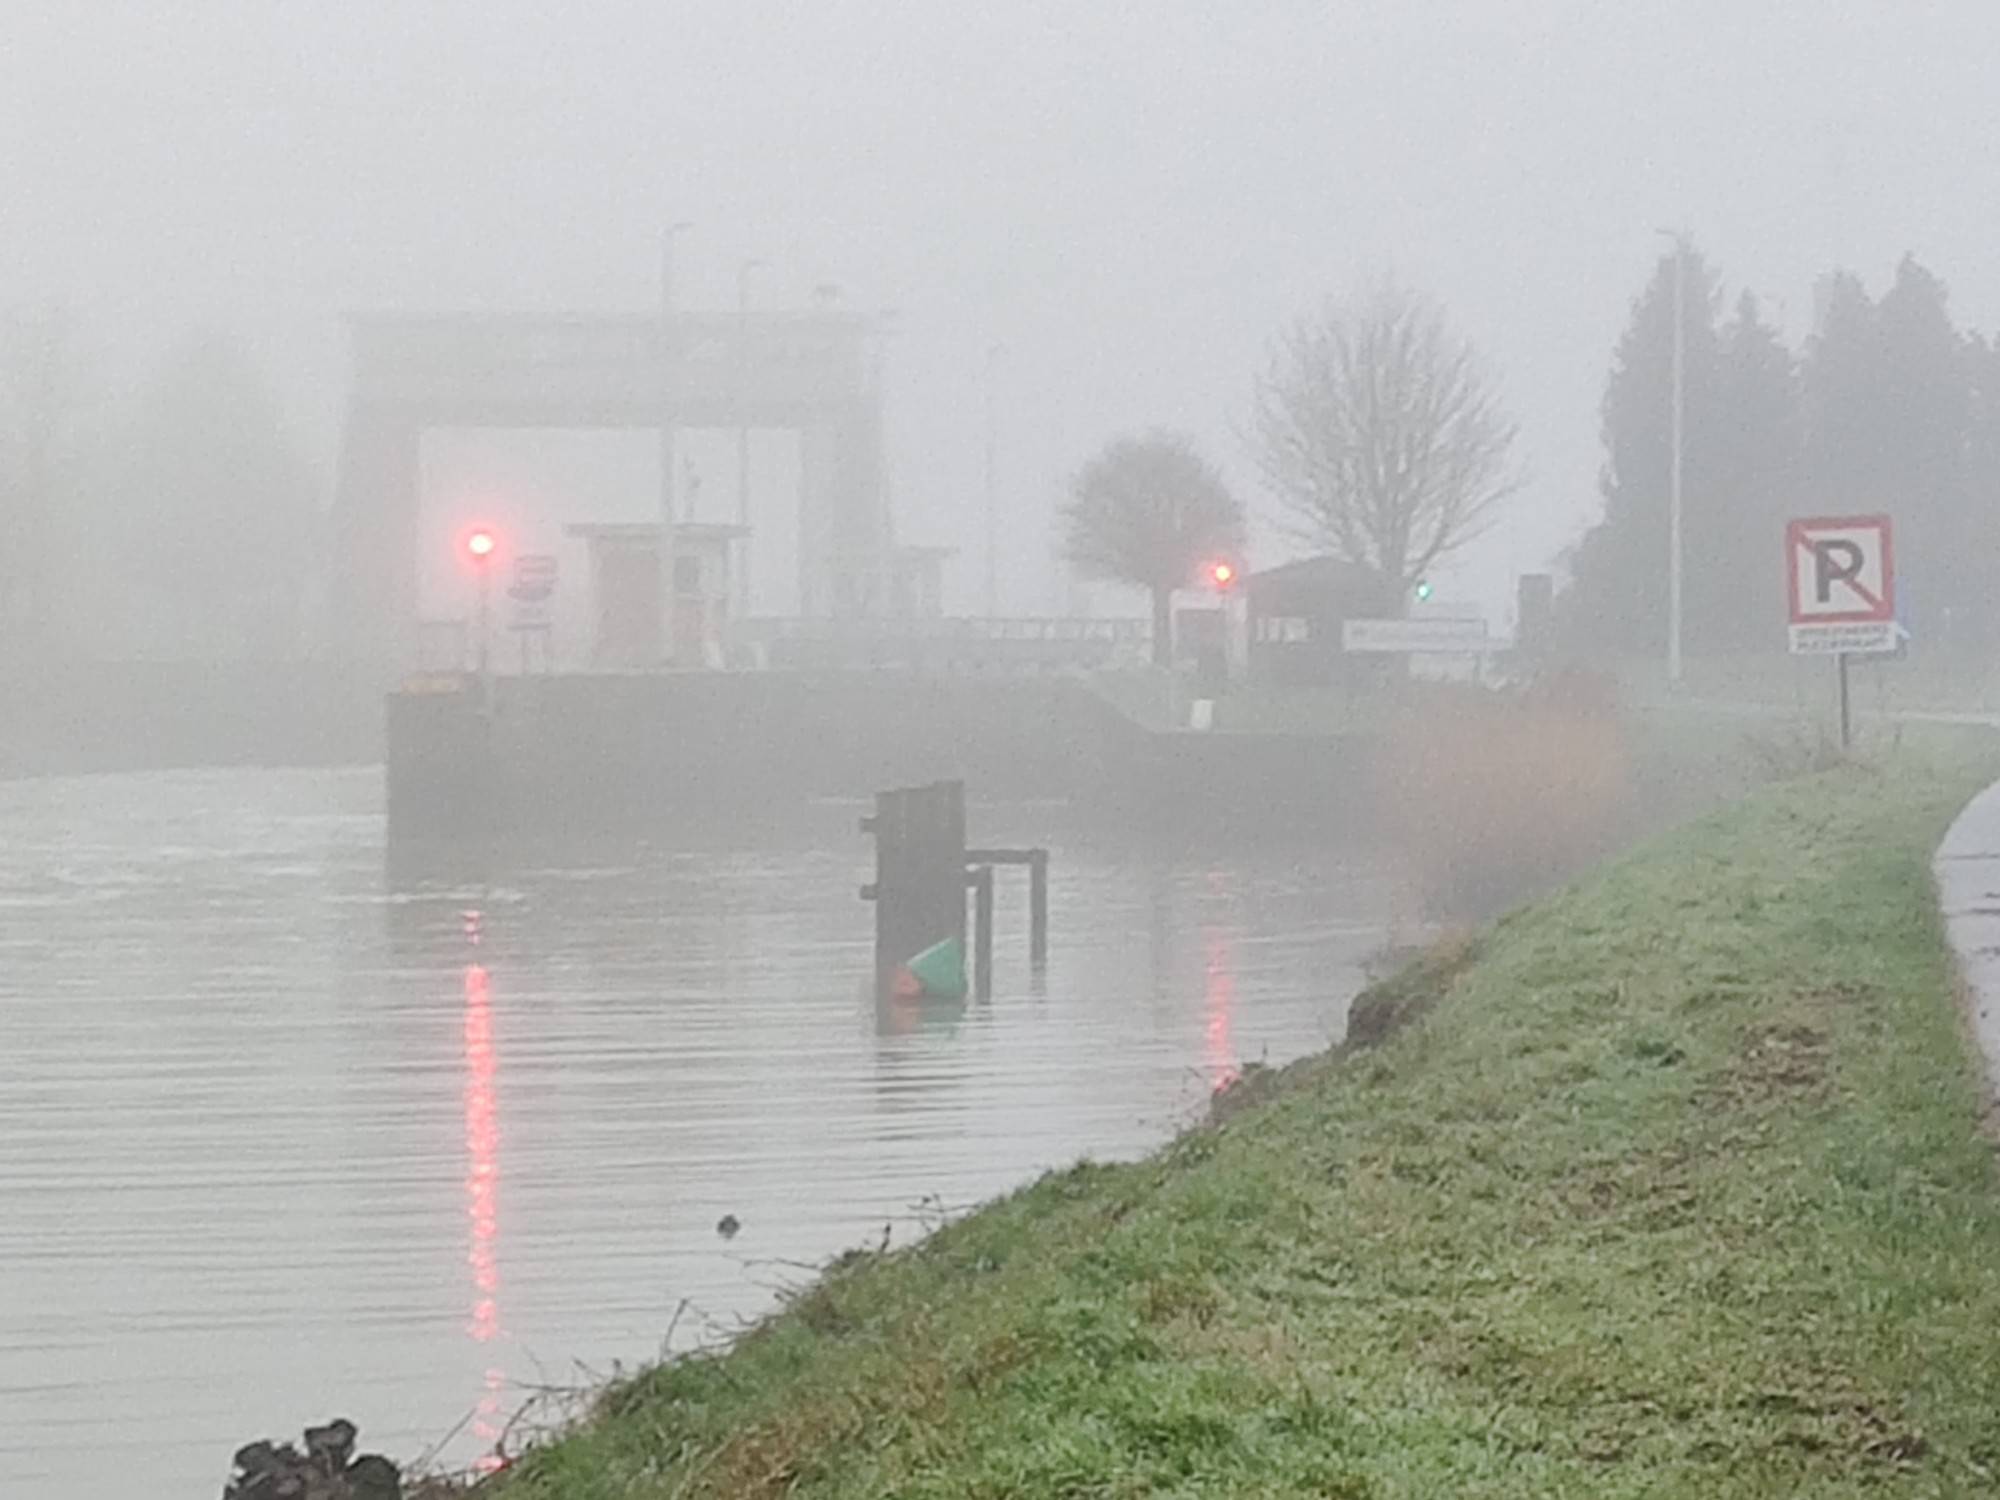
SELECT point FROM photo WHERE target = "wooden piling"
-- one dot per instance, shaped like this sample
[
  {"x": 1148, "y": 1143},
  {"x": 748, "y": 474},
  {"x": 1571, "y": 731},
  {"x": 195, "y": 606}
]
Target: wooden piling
[
  {"x": 1037, "y": 861},
  {"x": 919, "y": 885},
  {"x": 1038, "y": 907},
  {"x": 982, "y": 931}
]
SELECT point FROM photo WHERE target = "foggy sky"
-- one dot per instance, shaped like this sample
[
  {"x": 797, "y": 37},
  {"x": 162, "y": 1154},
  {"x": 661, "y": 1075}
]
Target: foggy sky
[{"x": 1130, "y": 197}]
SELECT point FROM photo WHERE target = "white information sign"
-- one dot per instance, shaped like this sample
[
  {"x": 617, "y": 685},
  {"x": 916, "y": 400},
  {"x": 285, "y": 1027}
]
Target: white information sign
[{"x": 1447, "y": 637}]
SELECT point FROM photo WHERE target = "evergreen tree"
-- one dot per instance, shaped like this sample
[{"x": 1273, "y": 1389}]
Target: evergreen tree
[
  {"x": 1892, "y": 406},
  {"x": 1845, "y": 465},
  {"x": 1891, "y": 409},
  {"x": 1618, "y": 595},
  {"x": 1740, "y": 441},
  {"x": 1750, "y": 436},
  {"x": 1981, "y": 503}
]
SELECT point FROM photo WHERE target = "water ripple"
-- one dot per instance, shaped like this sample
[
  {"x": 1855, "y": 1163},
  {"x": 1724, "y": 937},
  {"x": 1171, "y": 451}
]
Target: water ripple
[{"x": 281, "y": 1136}]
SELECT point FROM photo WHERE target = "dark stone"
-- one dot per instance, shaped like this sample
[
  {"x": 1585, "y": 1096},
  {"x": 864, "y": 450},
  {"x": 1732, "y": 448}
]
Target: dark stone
[
  {"x": 279, "y": 1471},
  {"x": 331, "y": 1446},
  {"x": 373, "y": 1477},
  {"x": 256, "y": 1457}
]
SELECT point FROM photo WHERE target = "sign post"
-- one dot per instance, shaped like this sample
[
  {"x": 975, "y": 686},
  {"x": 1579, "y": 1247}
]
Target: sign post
[
  {"x": 533, "y": 586},
  {"x": 1840, "y": 581}
]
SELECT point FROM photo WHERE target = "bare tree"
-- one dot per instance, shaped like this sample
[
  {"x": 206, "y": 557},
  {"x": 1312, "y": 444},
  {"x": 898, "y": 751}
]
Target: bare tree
[
  {"x": 1150, "y": 511},
  {"x": 1378, "y": 428}
]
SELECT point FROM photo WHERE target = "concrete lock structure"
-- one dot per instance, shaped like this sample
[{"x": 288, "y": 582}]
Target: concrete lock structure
[{"x": 811, "y": 371}]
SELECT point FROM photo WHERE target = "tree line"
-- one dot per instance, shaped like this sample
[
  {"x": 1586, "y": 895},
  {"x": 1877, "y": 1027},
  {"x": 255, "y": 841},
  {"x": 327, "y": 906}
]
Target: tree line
[
  {"x": 1887, "y": 405},
  {"x": 181, "y": 520},
  {"x": 184, "y": 520},
  {"x": 1377, "y": 430}
]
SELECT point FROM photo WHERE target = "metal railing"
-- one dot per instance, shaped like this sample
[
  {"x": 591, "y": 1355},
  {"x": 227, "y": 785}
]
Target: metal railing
[{"x": 948, "y": 645}]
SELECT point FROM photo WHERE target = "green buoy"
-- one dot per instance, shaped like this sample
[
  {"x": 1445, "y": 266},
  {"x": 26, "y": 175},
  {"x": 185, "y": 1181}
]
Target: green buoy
[{"x": 938, "y": 971}]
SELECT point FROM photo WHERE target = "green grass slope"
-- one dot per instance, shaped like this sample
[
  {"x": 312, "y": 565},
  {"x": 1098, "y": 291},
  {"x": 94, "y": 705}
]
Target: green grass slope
[{"x": 1676, "y": 1189}]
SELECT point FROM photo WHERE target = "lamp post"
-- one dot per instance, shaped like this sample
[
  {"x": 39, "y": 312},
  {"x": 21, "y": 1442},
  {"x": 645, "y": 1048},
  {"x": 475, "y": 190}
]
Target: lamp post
[
  {"x": 668, "y": 506},
  {"x": 1679, "y": 443},
  {"x": 669, "y": 500},
  {"x": 993, "y": 353},
  {"x": 743, "y": 270}
]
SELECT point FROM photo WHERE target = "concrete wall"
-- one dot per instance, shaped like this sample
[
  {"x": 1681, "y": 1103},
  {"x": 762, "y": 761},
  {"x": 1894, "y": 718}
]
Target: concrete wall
[
  {"x": 611, "y": 752},
  {"x": 607, "y": 747},
  {"x": 595, "y": 753}
]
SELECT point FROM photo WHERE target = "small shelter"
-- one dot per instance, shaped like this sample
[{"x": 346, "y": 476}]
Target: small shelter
[
  {"x": 645, "y": 615},
  {"x": 1295, "y": 615}
]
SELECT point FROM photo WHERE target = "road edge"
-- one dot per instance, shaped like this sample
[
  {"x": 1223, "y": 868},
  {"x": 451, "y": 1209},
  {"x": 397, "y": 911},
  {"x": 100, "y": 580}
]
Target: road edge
[{"x": 1966, "y": 872}]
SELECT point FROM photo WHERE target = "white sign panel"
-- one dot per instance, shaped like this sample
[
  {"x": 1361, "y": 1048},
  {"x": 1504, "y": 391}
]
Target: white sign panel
[
  {"x": 1443, "y": 636},
  {"x": 534, "y": 578},
  {"x": 1867, "y": 637},
  {"x": 1445, "y": 609}
]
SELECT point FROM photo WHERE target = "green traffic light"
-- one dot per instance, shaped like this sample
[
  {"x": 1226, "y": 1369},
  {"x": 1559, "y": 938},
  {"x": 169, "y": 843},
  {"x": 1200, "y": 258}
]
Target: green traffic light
[{"x": 1423, "y": 588}]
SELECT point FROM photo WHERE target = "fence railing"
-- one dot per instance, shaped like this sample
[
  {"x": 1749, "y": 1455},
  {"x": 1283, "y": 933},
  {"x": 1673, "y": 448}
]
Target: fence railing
[{"x": 1111, "y": 631}]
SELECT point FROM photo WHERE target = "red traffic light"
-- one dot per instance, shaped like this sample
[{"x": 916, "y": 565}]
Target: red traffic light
[
  {"x": 1221, "y": 574},
  {"x": 480, "y": 544}
]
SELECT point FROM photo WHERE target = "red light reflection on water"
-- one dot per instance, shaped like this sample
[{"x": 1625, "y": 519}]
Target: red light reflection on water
[
  {"x": 1218, "y": 1003},
  {"x": 482, "y": 1182}
]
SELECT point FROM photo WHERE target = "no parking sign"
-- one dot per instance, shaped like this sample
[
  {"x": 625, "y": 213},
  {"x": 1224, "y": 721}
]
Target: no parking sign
[{"x": 1841, "y": 580}]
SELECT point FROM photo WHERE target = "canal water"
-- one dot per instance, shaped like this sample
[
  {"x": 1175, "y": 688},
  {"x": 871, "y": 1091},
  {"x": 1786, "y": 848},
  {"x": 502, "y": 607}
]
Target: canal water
[{"x": 286, "y": 1134}]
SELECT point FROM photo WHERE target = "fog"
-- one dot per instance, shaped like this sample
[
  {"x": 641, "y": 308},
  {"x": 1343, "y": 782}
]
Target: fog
[
  {"x": 1130, "y": 198},
  {"x": 417, "y": 977}
]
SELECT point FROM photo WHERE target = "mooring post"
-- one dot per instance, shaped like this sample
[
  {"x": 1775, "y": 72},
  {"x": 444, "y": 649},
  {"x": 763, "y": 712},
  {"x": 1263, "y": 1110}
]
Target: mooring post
[
  {"x": 920, "y": 863},
  {"x": 982, "y": 931},
  {"x": 1038, "y": 907}
]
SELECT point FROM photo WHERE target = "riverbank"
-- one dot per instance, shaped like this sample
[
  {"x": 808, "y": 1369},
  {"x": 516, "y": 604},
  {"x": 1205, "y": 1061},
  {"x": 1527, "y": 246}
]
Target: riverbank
[{"x": 1673, "y": 1187}]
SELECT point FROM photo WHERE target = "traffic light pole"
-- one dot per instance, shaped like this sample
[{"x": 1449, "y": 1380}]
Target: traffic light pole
[{"x": 485, "y": 591}]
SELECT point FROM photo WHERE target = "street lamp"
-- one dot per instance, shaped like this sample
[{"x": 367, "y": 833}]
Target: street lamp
[
  {"x": 1680, "y": 242},
  {"x": 743, "y": 270},
  {"x": 993, "y": 353},
  {"x": 667, "y": 436}
]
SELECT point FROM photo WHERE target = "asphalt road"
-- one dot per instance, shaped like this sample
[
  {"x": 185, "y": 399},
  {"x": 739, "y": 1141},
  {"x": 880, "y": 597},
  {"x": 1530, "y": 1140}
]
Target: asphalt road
[{"x": 1968, "y": 882}]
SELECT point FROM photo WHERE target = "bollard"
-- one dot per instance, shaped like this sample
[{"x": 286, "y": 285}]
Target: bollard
[{"x": 919, "y": 885}]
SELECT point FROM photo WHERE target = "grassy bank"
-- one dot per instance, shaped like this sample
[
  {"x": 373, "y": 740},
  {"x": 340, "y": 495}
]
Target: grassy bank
[{"x": 1672, "y": 1187}]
